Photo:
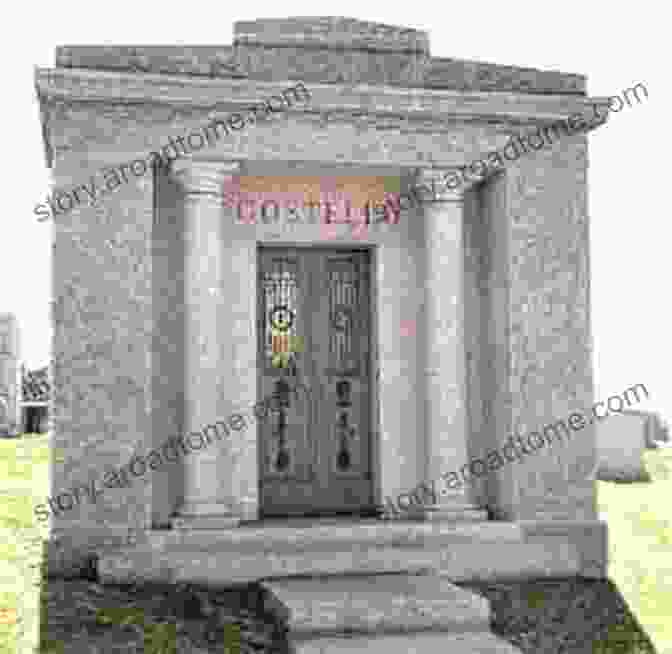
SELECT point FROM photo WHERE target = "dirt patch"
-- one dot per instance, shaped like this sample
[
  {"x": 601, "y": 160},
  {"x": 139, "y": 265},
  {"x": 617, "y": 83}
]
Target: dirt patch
[
  {"x": 558, "y": 616},
  {"x": 573, "y": 616},
  {"x": 83, "y": 616}
]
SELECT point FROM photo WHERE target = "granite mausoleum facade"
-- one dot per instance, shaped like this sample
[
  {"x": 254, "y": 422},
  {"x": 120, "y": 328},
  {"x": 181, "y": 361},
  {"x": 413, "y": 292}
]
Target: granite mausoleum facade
[{"x": 166, "y": 301}]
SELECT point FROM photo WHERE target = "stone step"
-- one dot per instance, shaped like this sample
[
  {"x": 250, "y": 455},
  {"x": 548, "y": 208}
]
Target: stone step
[
  {"x": 383, "y": 615},
  {"x": 332, "y": 534},
  {"x": 461, "y": 561},
  {"x": 229, "y": 568},
  {"x": 417, "y": 643},
  {"x": 383, "y": 604},
  {"x": 511, "y": 561}
]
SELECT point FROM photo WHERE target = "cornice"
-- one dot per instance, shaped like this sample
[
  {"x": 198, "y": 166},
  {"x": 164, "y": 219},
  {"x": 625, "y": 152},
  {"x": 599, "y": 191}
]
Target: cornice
[{"x": 80, "y": 85}]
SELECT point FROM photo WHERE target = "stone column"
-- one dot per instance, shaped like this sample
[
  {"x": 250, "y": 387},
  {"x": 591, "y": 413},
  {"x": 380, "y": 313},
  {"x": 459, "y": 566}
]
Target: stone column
[
  {"x": 209, "y": 499},
  {"x": 445, "y": 363}
]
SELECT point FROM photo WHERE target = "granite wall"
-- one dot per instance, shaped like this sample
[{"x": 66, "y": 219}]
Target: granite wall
[{"x": 550, "y": 359}]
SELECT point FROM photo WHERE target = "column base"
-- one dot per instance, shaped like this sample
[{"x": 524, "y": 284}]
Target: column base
[
  {"x": 205, "y": 515},
  {"x": 440, "y": 512},
  {"x": 453, "y": 507},
  {"x": 211, "y": 522}
]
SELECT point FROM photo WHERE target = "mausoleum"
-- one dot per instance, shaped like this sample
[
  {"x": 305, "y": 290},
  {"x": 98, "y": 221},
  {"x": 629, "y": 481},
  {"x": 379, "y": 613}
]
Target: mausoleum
[{"x": 423, "y": 340}]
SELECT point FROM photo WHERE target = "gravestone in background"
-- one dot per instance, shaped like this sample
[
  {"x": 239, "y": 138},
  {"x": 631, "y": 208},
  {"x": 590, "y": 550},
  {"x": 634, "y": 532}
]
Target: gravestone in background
[{"x": 621, "y": 441}]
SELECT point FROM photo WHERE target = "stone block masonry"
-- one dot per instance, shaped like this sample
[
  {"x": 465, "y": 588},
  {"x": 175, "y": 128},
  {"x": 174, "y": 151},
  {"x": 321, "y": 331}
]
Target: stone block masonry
[
  {"x": 211, "y": 133},
  {"x": 537, "y": 139},
  {"x": 498, "y": 272}
]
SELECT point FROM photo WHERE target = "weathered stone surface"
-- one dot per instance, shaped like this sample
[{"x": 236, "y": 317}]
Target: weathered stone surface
[
  {"x": 457, "y": 561},
  {"x": 229, "y": 569},
  {"x": 331, "y": 31},
  {"x": 510, "y": 561},
  {"x": 206, "y": 61},
  {"x": 462, "y": 75},
  {"x": 424, "y": 643},
  {"x": 309, "y": 535},
  {"x": 311, "y": 49},
  {"x": 441, "y": 514},
  {"x": 125, "y": 369},
  {"x": 621, "y": 441},
  {"x": 378, "y": 605},
  {"x": 330, "y": 49},
  {"x": 589, "y": 539},
  {"x": 548, "y": 323}
]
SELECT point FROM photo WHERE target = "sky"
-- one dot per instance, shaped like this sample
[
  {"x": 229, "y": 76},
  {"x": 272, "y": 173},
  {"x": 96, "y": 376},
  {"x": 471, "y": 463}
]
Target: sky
[{"x": 615, "y": 45}]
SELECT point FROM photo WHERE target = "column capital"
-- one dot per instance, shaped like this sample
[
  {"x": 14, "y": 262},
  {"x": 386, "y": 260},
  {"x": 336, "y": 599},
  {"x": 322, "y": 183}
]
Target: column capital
[
  {"x": 442, "y": 184},
  {"x": 203, "y": 177}
]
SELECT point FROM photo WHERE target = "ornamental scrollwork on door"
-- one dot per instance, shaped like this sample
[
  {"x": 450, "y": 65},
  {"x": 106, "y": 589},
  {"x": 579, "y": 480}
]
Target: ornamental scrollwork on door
[
  {"x": 282, "y": 456},
  {"x": 280, "y": 299},
  {"x": 288, "y": 405},
  {"x": 346, "y": 332},
  {"x": 345, "y": 324}
]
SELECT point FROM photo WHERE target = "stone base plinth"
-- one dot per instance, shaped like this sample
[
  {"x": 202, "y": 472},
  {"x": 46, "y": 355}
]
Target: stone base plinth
[
  {"x": 246, "y": 555},
  {"x": 449, "y": 513},
  {"x": 204, "y": 515},
  {"x": 204, "y": 522}
]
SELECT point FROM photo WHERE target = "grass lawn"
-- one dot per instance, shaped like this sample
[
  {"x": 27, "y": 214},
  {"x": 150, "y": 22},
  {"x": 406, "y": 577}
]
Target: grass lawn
[
  {"x": 24, "y": 482},
  {"x": 639, "y": 515},
  {"x": 640, "y": 545}
]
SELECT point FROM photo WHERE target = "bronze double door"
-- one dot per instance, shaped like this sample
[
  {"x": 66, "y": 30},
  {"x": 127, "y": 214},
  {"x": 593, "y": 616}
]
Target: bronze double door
[{"x": 314, "y": 351}]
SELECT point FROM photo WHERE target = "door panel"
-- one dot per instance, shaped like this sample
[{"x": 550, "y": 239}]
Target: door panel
[
  {"x": 286, "y": 453},
  {"x": 316, "y": 444}
]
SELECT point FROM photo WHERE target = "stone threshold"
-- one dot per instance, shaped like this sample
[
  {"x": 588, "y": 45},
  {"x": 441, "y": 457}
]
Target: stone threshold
[{"x": 330, "y": 533}]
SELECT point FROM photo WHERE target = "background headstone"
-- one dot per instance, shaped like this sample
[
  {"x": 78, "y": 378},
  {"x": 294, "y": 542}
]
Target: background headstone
[{"x": 621, "y": 441}]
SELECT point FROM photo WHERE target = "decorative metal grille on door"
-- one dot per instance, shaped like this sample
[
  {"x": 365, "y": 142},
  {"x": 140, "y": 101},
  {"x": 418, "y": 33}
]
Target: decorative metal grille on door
[
  {"x": 345, "y": 359},
  {"x": 314, "y": 318},
  {"x": 282, "y": 344}
]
